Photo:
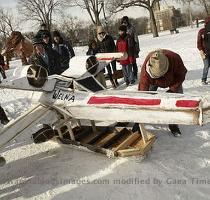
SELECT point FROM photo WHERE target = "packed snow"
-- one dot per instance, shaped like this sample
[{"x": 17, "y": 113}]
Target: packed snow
[{"x": 176, "y": 168}]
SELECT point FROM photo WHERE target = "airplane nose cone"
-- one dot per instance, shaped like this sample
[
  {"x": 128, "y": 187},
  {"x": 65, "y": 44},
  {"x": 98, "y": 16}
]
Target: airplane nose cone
[{"x": 37, "y": 76}]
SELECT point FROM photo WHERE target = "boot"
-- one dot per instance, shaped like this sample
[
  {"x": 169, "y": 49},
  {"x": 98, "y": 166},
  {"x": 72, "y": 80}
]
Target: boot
[
  {"x": 136, "y": 128},
  {"x": 174, "y": 130}
]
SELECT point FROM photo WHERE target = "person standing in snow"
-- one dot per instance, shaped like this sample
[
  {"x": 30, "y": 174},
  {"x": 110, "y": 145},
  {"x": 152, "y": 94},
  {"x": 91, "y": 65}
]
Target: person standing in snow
[
  {"x": 92, "y": 51},
  {"x": 92, "y": 48},
  {"x": 3, "y": 117},
  {"x": 43, "y": 30},
  {"x": 203, "y": 45},
  {"x": 106, "y": 44},
  {"x": 131, "y": 31},
  {"x": 165, "y": 69},
  {"x": 64, "y": 49},
  {"x": 49, "y": 59},
  {"x": 125, "y": 44},
  {"x": 47, "y": 41}
]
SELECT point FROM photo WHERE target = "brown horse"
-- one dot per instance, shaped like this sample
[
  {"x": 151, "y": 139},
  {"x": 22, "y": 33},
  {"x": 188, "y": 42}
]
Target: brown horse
[{"x": 19, "y": 45}]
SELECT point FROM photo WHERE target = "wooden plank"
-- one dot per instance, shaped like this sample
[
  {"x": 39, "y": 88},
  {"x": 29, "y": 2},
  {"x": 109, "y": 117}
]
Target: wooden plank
[
  {"x": 139, "y": 149},
  {"x": 110, "y": 136},
  {"x": 131, "y": 139},
  {"x": 17, "y": 126},
  {"x": 93, "y": 137},
  {"x": 93, "y": 148},
  {"x": 143, "y": 133},
  {"x": 125, "y": 133}
]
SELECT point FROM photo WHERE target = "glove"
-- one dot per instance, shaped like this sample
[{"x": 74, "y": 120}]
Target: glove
[{"x": 203, "y": 55}]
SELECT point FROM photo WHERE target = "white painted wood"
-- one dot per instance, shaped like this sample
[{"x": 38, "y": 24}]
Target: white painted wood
[{"x": 29, "y": 119}]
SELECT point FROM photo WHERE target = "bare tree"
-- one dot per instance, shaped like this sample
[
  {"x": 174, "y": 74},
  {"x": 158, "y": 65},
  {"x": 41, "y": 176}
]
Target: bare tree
[
  {"x": 94, "y": 8},
  {"x": 71, "y": 28},
  {"x": 204, "y": 3},
  {"x": 8, "y": 23},
  {"x": 39, "y": 10},
  {"x": 120, "y": 5}
]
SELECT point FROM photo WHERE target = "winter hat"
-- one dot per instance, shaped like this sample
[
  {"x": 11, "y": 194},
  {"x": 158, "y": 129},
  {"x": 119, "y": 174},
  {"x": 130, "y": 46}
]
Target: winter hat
[
  {"x": 56, "y": 34},
  {"x": 125, "y": 19},
  {"x": 123, "y": 28},
  {"x": 158, "y": 64},
  {"x": 37, "y": 40},
  {"x": 100, "y": 29}
]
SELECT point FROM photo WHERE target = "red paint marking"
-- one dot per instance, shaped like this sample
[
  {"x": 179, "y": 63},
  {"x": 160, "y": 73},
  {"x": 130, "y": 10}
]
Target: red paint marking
[
  {"x": 187, "y": 103},
  {"x": 127, "y": 101}
]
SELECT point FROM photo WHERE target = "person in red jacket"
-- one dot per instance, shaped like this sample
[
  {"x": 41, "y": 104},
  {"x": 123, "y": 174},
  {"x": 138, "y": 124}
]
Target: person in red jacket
[
  {"x": 204, "y": 52},
  {"x": 165, "y": 69},
  {"x": 125, "y": 44}
]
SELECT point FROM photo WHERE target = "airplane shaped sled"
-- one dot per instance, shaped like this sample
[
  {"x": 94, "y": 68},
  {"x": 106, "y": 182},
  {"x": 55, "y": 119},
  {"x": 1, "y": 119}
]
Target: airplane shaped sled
[{"x": 76, "y": 95}]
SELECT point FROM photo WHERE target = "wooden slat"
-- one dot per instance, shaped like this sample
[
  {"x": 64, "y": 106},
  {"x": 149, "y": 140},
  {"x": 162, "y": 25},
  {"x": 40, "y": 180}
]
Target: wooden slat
[
  {"x": 110, "y": 136},
  {"x": 140, "y": 149},
  {"x": 93, "y": 137},
  {"x": 93, "y": 148},
  {"x": 131, "y": 139},
  {"x": 123, "y": 134}
]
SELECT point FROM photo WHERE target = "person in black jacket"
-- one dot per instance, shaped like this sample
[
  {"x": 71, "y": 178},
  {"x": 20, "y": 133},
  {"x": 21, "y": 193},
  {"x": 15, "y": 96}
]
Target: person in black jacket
[
  {"x": 63, "y": 48},
  {"x": 92, "y": 51},
  {"x": 106, "y": 44},
  {"x": 46, "y": 38},
  {"x": 92, "y": 48},
  {"x": 43, "y": 30},
  {"x": 131, "y": 31},
  {"x": 49, "y": 59}
]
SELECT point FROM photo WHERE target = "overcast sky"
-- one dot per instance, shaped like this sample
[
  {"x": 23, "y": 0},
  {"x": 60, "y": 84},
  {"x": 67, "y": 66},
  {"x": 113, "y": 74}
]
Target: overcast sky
[{"x": 82, "y": 14}]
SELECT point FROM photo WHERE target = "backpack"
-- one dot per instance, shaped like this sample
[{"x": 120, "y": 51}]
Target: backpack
[{"x": 207, "y": 37}]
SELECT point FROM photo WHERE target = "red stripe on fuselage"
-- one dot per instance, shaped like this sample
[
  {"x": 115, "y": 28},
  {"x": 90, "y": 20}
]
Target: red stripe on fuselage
[
  {"x": 126, "y": 101},
  {"x": 187, "y": 103}
]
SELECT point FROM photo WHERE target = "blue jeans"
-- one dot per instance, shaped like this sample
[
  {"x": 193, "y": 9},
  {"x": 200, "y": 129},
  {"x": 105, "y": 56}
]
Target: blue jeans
[
  {"x": 128, "y": 73},
  {"x": 206, "y": 63}
]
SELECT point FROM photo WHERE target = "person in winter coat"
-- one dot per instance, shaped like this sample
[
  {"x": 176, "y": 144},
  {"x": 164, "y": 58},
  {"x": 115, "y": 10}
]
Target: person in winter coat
[
  {"x": 165, "y": 69},
  {"x": 49, "y": 59},
  {"x": 43, "y": 30},
  {"x": 3, "y": 117},
  {"x": 46, "y": 38},
  {"x": 106, "y": 44},
  {"x": 2, "y": 67},
  {"x": 131, "y": 31},
  {"x": 64, "y": 49},
  {"x": 92, "y": 51},
  {"x": 125, "y": 44},
  {"x": 92, "y": 48},
  {"x": 204, "y": 52}
]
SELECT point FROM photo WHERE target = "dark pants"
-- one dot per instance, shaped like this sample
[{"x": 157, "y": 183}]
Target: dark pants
[
  {"x": 111, "y": 70},
  {"x": 135, "y": 71}
]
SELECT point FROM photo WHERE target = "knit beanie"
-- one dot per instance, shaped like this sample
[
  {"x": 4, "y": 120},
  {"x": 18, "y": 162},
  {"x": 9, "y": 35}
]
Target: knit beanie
[{"x": 158, "y": 64}]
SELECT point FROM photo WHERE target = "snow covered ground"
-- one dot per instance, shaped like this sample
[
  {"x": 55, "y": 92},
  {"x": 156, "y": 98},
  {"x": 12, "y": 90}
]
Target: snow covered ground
[{"x": 176, "y": 168}]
